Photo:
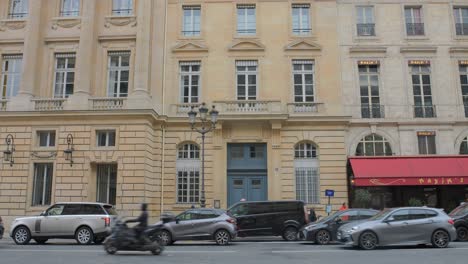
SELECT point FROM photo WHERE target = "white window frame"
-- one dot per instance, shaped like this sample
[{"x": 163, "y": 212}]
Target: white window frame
[
  {"x": 303, "y": 72},
  {"x": 70, "y": 8},
  {"x": 191, "y": 29},
  {"x": 188, "y": 151},
  {"x": 305, "y": 150},
  {"x": 13, "y": 73},
  {"x": 460, "y": 19},
  {"x": 122, "y": 7},
  {"x": 464, "y": 142},
  {"x": 307, "y": 173},
  {"x": 418, "y": 70},
  {"x": 368, "y": 74},
  {"x": 118, "y": 69},
  {"x": 18, "y": 11},
  {"x": 46, "y": 198},
  {"x": 243, "y": 24},
  {"x": 188, "y": 166},
  {"x": 190, "y": 74},
  {"x": 106, "y": 171},
  {"x": 365, "y": 20},
  {"x": 60, "y": 91},
  {"x": 107, "y": 133},
  {"x": 374, "y": 142},
  {"x": 304, "y": 21},
  {"x": 49, "y": 137},
  {"x": 464, "y": 72},
  {"x": 413, "y": 19},
  {"x": 426, "y": 144},
  {"x": 246, "y": 73}
]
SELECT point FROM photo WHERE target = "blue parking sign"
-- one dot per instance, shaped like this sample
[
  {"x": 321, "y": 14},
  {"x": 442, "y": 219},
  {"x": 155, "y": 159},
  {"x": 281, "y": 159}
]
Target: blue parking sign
[{"x": 329, "y": 193}]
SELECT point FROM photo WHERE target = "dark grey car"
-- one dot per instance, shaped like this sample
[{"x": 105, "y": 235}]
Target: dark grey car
[
  {"x": 401, "y": 226},
  {"x": 199, "y": 224},
  {"x": 2, "y": 229}
]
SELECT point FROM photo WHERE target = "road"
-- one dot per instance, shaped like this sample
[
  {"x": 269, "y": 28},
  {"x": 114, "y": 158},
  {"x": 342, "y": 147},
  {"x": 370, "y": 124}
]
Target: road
[{"x": 245, "y": 252}]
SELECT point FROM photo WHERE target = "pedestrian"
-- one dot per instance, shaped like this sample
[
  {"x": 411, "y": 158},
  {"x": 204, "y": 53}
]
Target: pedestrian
[
  {"x": 312, "y": 215},
  {"x": 343, "y": 207},
  {"x": 193, "y": 206}
]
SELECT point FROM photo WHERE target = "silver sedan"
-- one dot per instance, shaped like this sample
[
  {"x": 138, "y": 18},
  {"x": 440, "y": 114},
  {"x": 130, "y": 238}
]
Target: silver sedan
[{"x": 401, "y": 226}]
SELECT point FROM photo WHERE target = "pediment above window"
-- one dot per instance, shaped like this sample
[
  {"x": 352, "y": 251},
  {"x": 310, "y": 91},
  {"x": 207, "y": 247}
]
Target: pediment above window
[
  {"x": 190, "y": 46},
  {"x": 246, "y": 45},
  {"x": 302, "y": 44}
]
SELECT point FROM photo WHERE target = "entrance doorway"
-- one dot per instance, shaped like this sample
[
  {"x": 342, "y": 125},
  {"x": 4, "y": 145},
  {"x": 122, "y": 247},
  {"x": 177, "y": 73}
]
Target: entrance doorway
[{"x": 247, "y": 173}]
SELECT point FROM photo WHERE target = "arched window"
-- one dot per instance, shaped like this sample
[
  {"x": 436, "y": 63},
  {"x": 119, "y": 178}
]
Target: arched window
[
  {"x": 464, "y": 146},
  {"x": 373, "y": 145},
  {"x": 306, "y": 171},
  {"x": 188, "y": 173}
]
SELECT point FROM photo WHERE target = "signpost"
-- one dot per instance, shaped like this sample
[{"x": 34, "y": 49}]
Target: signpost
[{"x": 329, "y": 193}]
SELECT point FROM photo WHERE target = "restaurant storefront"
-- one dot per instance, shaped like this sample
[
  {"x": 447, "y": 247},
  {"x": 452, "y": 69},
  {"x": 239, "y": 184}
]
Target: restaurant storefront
[{"x": 440, "y": 181}]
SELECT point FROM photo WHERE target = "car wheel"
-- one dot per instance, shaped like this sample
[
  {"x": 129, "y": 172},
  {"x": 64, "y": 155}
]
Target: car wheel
[
  {"x": 290, "y": 234},
  {"x": 110, "y": 247},
  {"x": 21, "y": 235},
  {"x": 323, "y": 237},
  {"x": 41, "y": 241},
  {"x": 462, "y": 233},
  {"x": 165, "y": 237},
  {"x": 84, "y": 235},
  {"x": 222, "y": 237},
  {"x": 98, "y": 241},
  {"x": 440, "y": 239},
  {"x": 368, "y": 240},
  {"x": 156, "y": 248}
]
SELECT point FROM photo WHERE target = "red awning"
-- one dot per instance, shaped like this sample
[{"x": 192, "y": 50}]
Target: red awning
[{"x": 410, "y": 170}]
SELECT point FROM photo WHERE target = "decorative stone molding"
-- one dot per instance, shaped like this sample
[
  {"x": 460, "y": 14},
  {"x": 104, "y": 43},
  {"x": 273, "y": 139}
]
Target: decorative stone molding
[
  {"x": 120, "y": 21},
  {"x": 460, "y": 49},
  {"x": 368, "y": 49},
  {"x": 65, "y": 22},
  {"x": 190, "y": 46},
  {"x": 12, "y": 24},
  {"x": 427, "y": 49},
  {"x": 246, "y": 45},
  {"x": 44, "y": 155},
  {"x": 302, "y": 45}
]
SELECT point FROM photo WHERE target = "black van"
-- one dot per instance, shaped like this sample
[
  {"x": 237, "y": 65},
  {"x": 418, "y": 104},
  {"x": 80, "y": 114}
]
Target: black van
[{"x": 277, "y": 218}]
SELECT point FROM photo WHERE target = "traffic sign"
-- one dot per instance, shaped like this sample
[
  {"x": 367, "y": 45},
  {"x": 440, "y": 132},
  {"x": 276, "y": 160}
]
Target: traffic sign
[{"x": 329, "y": 193}]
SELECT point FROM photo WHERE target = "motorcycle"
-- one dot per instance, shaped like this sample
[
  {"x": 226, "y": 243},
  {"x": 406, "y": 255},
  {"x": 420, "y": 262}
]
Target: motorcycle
[{"x": 124, "y": 238}]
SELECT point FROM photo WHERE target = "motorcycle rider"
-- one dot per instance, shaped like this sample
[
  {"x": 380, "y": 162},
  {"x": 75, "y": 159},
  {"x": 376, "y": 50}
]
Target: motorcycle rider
[{"x": 142, "y": 221}]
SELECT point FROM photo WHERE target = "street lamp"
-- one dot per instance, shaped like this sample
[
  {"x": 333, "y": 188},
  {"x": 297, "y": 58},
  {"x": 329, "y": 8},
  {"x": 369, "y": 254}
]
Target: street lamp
[
  {"x": 206, "y": 126},
  {"x": 8, "y": 153},
  {"x": 69, "y": 151}
]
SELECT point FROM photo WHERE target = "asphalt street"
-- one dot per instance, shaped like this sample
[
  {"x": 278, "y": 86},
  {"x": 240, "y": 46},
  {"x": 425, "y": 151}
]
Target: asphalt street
[{"x": 245, "y": 252}]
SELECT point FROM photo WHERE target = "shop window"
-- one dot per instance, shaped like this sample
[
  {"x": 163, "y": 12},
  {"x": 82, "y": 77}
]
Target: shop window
[{"x": 373, "y": 145}]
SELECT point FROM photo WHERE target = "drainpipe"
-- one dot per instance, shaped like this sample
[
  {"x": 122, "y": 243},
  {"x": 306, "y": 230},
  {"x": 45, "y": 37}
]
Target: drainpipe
[{"x": 163, "y": 159}]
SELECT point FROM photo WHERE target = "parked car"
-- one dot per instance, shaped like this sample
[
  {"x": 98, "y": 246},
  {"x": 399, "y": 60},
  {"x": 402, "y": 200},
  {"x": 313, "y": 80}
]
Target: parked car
[
  {"x": 401, "y": 226},
  {"x": 460, "y": 216},
  {"x": 277, "y": 218},
  {"x": 324, "y": 230},
  {"x": 197, "y": 224},
  {"x": 86, "y": 222},
  {"x": 2, "y": 228}
]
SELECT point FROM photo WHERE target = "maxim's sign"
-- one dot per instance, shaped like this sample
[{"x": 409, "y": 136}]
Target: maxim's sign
[
  {"x": 419, "y": 62},
  {"x": 368, "y": 62}
]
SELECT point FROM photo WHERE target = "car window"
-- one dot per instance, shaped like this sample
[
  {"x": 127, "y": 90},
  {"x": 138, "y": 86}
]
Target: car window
[
  {"x": 400, "y": 215},
  {"x": 110, "y": 210},
  {"x": 72, "y": 209},
  {"x": 461, "y": 210},
  {"x": 92, "y": 209},
  {"x": 56, "y": 209},
  {"x": 417, "y": 214},
  {"x": 430, "y": 213},
  {"x": 259, "y": 208},
  {"x": 364, "y": 214},
  {"x": 285, "y": 207},
  {"x": 239, "y": 210},
  {"x": 349, "y": 216},
  {"x": 187, "y": 216},
  {"x": 207, "y": 215}
]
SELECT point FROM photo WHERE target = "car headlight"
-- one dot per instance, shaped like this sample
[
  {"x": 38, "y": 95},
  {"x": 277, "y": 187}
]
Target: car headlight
[{"x": 353, "y": 229}]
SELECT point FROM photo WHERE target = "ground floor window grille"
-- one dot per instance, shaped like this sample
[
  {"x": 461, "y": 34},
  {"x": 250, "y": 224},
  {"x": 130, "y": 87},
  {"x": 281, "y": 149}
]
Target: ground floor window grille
[
  {"x": 188, "y": 185},
  {"x": 307, "y": 185},
  {"x": 42, "y": 185},
  {"x": 106, "y": 183}
]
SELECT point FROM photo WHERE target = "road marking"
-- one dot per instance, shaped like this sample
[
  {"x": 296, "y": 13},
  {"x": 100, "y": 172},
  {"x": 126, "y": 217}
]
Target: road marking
[
  {"x": 97, "y": 251},
  {"x": 350, "y": 250}
]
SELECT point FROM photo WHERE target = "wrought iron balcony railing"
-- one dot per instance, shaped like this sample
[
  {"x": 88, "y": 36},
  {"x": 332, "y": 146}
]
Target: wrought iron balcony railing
[
  {"x": 366, "y": 29},
  {"x": 415, "y": 29}
]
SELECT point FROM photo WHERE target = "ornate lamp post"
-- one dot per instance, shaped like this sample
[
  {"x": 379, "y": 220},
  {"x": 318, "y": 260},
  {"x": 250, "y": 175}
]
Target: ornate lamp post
[
  {"x": 8, "y": 153},
  {"x": 69, "y": 151},
  {"x": 207, "y": 125}
]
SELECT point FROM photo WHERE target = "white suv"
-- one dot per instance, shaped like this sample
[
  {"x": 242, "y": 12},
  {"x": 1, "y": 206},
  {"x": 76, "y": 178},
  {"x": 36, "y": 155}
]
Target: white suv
[{"x": 86, "y": 222}]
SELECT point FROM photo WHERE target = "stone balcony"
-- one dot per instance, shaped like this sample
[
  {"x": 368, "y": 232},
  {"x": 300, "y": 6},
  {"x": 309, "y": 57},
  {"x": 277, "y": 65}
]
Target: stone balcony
[
  {"x": 249, "y": 107},
  {"x": 48, "y": 104},
  {"x": 108, "y": 103},
  {"x": 406, "y": 112}
]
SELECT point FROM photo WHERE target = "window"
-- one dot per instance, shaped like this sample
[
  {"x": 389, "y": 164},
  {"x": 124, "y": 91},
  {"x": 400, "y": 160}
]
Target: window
[
  {"x": 42, "y": 185},
  {"x": 400, "y": 215},
  {"x": 301, "y": 19},
  {"x": 106, "y": 183},
  {"x": 64, "y": 75},
  {"x": 365, "y": 21},
  {"x": 72, "y": 209},
  {"x": 464, "y": 146},
  {"x": 46, "y": 138},
  {"x": 414, "y": 21},
  {"x": 421, "y": 79},
  {"x": 417, "y": 214},
  {"x": 188, "y": 173},
  {"x": 11, "y": 75},
  {"x": 306, "y": 170},
  {"x": 461, "y": 20},
  {"x": 256, "y": 152},
  {"x": 303, "y": 75},
  {"x": 18, "y": 9},
  {"x": 189, "y": 151},
  {"x": 119, "y": 70},
  {"x": 190, "y": 81},
  {"x": 70, "y": 8},
  {"x": 237, "y": 152},
  {"x": 105, "y": 138},
  {"x": 305, "y": 151},
  {"x": 246, "y": 80},
  {"x": 426, "y": 143},
  {"x": 369, "y": 90},
  {"x": 122, "y": 7},
  {"x": 191, "y": 25},
  {"x": 246, "y": 20},
  {"x": 55, "y": 210},
  {"x": 91, "y": 209},
  {"x": 464, "y": 86},
  {"x": 373, "y": 145},
  {"x": 349, "y": 216}
]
